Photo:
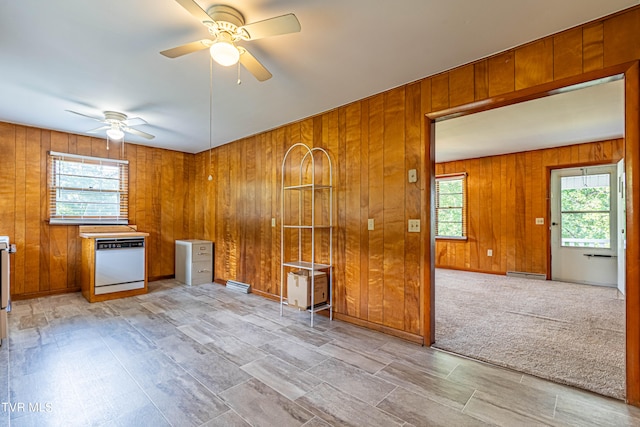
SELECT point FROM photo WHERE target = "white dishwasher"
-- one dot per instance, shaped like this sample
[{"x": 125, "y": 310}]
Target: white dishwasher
[{"x": 120, "y": 265}]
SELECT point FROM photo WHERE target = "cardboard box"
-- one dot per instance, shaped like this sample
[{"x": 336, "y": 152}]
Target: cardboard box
[{"x": 299, "y": 289}]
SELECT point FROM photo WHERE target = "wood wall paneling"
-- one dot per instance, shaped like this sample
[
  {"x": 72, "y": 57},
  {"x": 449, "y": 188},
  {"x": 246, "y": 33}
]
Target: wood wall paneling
[
  {"x": 501, "y": 74},
  {"x": 632, "y": 168},
  {"x": 412, "y": 209},
  {"x": 440, "y": 92},
  {"x": 592, "y": 47},
  {"x": 481, "y": 80},
  {"x": 353, "y": 219},
  {"x": 621, "y": 41},
  {"x": 48, "y": 257},
  {"x": 567, "y": 53},
  {"x": 19, "y": 237},
  {"x": 393, "y": 209},
  {"x": 462, "y": 86},
  {"x": 534, "y": 64},
  {"x": 376, "y": 209},
  {"x": 506, "y": 194}
]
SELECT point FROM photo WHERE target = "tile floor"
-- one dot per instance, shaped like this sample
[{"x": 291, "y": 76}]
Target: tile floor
[{"x": 205, "y": 356}]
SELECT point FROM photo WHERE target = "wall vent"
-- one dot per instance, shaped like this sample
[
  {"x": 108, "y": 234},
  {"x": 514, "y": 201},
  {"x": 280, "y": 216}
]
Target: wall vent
[
  {"x": 525, "y": 275},
  {"x": 244, "y": 288}
]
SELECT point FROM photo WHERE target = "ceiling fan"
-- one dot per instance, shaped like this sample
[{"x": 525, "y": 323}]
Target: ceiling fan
[
  {"x": 117, "y": 124},
  {"x": 226, "y": 26}
]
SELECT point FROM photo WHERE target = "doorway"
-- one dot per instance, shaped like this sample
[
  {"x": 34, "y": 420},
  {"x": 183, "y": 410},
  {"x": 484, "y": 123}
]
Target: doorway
[
  {"x": 584, "y": 225},
  {"x": 520, "y": 208}
]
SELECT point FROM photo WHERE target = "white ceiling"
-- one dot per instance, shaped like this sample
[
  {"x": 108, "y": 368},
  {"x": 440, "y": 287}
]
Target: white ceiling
[
  {"x": 593, "y": 113},
  {"x": 91, "y": 56}
]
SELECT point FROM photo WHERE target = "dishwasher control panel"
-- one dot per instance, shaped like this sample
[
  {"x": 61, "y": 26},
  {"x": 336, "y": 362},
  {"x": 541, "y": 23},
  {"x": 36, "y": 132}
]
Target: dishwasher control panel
[{"x": 104, "y": 244}]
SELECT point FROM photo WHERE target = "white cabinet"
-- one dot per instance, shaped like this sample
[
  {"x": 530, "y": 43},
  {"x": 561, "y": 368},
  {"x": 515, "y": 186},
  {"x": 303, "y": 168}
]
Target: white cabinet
[{"x": 194, "y": 261}]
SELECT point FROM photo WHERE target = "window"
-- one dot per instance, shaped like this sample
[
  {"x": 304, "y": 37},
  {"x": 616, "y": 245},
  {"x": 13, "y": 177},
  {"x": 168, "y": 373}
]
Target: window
[
  {"x": 585, "y": 204},
  {"x": 87, "y": 190},
  {"x": 451, "y": 211}
]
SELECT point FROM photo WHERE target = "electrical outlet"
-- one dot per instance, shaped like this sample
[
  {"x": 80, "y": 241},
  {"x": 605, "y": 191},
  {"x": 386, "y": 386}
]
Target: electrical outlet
[
  {"x": 539, "y": 221},
  {"x": 273, "y": 222},
  {"x": 489, "y": 252},
  {"x": 370, "y": 224},
  {"x": 414, "y": 226}
]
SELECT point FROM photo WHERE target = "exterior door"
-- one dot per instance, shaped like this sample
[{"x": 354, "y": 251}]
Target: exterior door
[{"x": 584, "y": 228}]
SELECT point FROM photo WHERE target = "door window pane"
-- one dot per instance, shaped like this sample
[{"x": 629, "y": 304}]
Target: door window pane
[{"x": 585, "y": 211}]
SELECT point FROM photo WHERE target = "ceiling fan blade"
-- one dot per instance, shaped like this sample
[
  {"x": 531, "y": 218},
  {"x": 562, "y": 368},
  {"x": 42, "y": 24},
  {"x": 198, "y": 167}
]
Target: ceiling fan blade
[
  {"x": 254, "y": 66},
  {"x": 284, "y": 24},
  {"x": 96, "y": 130},
  {"x": 135, "y": 121},
  {"x": 193, "y": 8},
  {"x": 138, "y": 132},
  {"x": 100, "y": 119},
  {"x": 186, "y": 48}
]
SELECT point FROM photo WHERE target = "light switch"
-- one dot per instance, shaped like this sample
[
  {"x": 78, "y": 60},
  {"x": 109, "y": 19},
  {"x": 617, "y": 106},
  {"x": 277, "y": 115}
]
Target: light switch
[
  {"x": 539, "y": 221},
  {"x": 273, "y": 222},
  {"x": 370, "y": 224},
  {"x": 489, "y": 252},
  {"x": 413, "y": 175}
]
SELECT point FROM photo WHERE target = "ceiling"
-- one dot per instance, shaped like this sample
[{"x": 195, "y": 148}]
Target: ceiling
[
  {"x": 91, "y": 56},
  {"x": 585, "y": 114}
]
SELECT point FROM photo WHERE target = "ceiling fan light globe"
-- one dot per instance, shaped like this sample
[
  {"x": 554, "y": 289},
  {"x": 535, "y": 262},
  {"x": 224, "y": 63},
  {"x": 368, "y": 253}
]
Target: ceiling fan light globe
[
  {"x": 115, "y": 134},
  {"x": 224, "y": 53}
]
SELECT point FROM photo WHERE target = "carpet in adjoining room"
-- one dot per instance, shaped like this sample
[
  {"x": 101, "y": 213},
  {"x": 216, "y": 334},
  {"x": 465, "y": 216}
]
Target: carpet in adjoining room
[{"x": 569, "y": 333}]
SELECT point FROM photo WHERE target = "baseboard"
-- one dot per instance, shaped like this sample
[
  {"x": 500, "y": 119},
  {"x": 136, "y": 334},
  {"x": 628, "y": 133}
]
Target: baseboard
[
  {"x": 472, "y": 270},
  {"x": 408, "y": 336},
  {"x": 418, "y": 339},
  {"x": 44, "y": 294},
  {"x": 267, "y": 295},
  {"x": 156, "y": 278}
]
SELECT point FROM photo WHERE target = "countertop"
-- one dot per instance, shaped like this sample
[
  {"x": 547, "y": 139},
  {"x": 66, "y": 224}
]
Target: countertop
[{"x": 113, "y": 235}]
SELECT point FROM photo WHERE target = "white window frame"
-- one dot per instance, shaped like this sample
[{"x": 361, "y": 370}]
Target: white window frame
[
  {"x": 452, "y": 177},
  {"x": 54, "y": 171}
]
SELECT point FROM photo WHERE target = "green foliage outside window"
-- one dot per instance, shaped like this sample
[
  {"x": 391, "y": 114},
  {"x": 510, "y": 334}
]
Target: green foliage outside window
[
  {"x": 586, "y": 216},
  {"x": 85, "y": 189},
  {"x": 450, "y": 207}
]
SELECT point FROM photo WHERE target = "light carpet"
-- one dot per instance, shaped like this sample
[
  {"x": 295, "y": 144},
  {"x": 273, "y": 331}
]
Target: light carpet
[{"x": 569, "y": 333}]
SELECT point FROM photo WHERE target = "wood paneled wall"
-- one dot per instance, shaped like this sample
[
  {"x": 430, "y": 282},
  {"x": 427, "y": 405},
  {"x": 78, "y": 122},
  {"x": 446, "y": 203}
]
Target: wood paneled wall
[
  {"x": 505, "y": 194},
  {"x": 374, "y": 142},
  {"x": 48, "y": 256}
]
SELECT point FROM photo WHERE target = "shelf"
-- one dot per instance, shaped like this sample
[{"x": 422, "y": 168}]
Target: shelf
[
  {"x": 304, "y": 265},
  {"x": 320, "y": 308},
  {"x": 317, "y": 308},
  {"x": 309, "y": 227},
  {"x": 312, "y": 238},
  {"x": 308, "y": 187}
]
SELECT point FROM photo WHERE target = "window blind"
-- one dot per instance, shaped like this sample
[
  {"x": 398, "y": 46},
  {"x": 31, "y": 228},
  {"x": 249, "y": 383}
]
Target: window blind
[
  {"x": 451, "y": 206},
  {"x": 87, "y": 190}
]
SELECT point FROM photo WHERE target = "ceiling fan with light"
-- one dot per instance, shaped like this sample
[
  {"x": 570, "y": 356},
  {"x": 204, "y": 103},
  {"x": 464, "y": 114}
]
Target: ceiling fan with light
[
  {"x": 117, "y": 124},
  {"x": 226, "y": 26}
]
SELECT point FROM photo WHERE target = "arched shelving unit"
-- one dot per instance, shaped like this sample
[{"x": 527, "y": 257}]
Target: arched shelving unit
[{"x": 306, "y": 225}]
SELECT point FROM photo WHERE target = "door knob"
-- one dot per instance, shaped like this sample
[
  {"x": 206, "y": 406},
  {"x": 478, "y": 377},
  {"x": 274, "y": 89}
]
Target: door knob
[{"x": 554, "y": 223}]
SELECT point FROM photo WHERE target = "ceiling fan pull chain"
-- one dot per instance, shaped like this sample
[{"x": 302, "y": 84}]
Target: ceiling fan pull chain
[
  {"x": 210, "y": 177},
  {"x": 239, "y": 81}
]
